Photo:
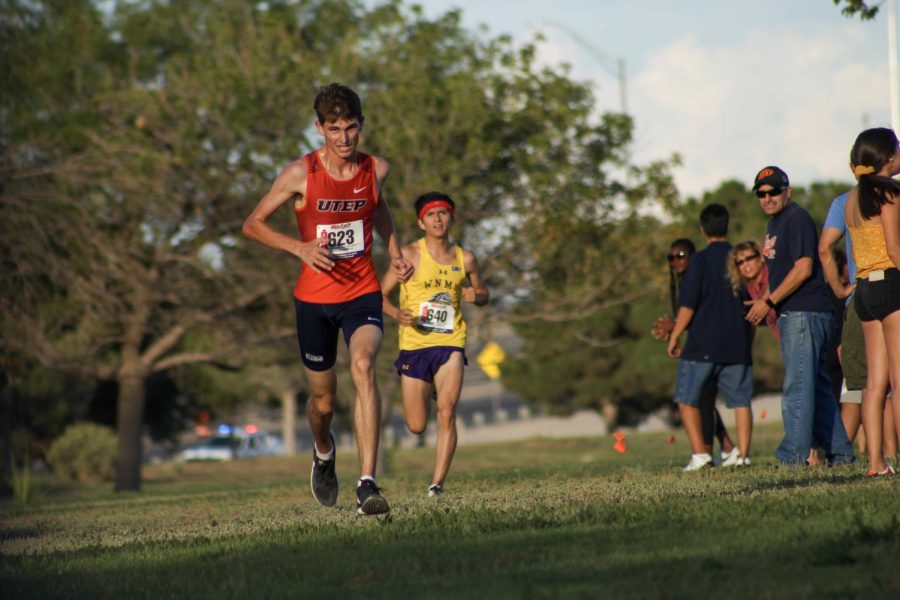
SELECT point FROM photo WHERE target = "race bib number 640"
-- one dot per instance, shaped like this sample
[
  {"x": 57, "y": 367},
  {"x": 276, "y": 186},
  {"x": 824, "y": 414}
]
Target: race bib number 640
[
  {"x": 345, "y": 240},
  {"x": 436, "y": 316}
]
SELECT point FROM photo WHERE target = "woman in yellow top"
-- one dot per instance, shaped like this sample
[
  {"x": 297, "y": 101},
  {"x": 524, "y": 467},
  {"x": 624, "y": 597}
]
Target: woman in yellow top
[
  {"x": 873, "y": 220},
  {"x": 432, "y": 330}
]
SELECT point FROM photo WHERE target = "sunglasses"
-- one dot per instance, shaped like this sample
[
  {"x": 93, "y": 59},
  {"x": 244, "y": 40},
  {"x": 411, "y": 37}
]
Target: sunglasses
[
  {"x": 679, "y": 254},
  {"x": 739, "y": 261},
  {"x": 773, "y": 192}
]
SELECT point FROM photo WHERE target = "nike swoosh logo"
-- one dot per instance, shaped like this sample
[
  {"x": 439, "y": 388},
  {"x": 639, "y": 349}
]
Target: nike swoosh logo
[{"x": 356, "y": 191}]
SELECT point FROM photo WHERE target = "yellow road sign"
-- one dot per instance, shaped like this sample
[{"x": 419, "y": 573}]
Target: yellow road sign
[{"x": 490, "y": 359}]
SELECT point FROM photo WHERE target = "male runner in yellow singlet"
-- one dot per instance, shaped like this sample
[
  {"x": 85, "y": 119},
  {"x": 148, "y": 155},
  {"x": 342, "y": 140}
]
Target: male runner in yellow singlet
[{"x": 432, "y": 330}]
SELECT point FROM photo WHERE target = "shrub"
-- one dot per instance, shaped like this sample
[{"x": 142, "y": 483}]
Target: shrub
[{"x": 84, "y": 452}]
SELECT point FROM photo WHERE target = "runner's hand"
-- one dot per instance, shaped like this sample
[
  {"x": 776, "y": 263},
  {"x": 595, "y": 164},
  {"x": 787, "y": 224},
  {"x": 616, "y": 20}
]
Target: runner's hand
[
  {"x": 403, "y": 268},
  {"x": 469, "y": 295},
  {"x": 315, "y": 254},
  {"x": 406, "y": 317}
]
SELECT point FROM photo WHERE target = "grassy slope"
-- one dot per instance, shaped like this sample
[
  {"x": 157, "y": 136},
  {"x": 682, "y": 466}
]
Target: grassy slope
[{"x": 538, "y": 518}]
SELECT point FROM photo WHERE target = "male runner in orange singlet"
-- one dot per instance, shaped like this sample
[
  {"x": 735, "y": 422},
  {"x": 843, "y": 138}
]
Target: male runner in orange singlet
[{"x": 337, "y": 199}]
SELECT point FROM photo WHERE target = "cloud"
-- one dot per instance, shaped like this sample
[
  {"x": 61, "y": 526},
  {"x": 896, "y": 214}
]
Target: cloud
[
  {"x": 790, "y": 96},
  {"x": 774, "y": 97}
]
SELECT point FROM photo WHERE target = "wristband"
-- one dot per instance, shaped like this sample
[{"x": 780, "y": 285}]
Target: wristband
[{"x": 770, "y": 303}]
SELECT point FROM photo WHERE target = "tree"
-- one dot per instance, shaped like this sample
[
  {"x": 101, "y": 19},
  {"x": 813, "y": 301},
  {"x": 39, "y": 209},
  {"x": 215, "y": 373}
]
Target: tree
[
  {"x": 131, "y": 226},
  {"x": 861, "y": 8}
]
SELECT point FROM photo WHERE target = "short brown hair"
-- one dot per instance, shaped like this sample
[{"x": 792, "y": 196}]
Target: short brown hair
[{"x": 336, "y": 101}]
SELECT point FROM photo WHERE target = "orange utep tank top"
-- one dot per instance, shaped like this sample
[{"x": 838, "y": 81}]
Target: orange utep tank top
[{"x": 340, "y": 211}]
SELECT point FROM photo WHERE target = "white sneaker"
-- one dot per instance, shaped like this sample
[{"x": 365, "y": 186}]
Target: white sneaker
[
  {"x": 730, "y": 459},
  {"x": 742, "y": 462},
  {"x": 699, "y": 461}
]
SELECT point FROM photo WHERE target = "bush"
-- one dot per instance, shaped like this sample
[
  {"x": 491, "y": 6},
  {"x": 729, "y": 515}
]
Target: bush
[{"x": 84, "y": 452}]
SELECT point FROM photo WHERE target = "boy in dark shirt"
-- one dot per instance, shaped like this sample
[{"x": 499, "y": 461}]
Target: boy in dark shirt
[{"x": 718, "y": 346}]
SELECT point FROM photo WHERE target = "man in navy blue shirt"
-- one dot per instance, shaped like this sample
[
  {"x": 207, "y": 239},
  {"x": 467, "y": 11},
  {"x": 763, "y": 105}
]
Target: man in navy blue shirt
[
  {"x": 718, "y": 344},
  {"x": 799, "y": 294}
]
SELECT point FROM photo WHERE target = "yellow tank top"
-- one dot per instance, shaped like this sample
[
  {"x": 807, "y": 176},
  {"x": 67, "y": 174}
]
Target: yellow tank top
[
  {"x": 869, "y": 249},
  {"x": 433, "y": 294}
]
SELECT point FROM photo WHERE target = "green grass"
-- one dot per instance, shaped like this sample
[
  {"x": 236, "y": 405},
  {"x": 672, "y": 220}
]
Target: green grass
[{"x": 533, "y": 519}]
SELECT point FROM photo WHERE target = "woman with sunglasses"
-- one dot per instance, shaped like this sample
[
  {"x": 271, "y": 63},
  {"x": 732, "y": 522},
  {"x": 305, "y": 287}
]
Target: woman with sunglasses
[
  {"x": 873, "y": 220},
  {"x": 679, "y": 257},
  {"x": 747, "y": 270}
]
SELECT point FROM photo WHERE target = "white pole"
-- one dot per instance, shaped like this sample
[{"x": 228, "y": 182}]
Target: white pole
[{"x": 892, "y": 65}]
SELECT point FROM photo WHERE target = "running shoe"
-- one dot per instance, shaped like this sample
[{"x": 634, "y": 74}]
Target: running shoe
[
  {"x": 435, "y": 489},
  {"x": 699, "y": 461},
  {"x": 369, "y": 500},
  {"x": 743, "y": 462},
  {"x": 323, "y": 479},
  {"x": 885, "y": 472},
  {"x": 730, "y": 459}
]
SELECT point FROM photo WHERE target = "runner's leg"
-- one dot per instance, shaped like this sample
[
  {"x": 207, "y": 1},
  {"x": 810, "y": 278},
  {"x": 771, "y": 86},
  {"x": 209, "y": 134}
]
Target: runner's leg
[
  {"x": 364, "y": 344},
  {"x": 448, "y": 382}
]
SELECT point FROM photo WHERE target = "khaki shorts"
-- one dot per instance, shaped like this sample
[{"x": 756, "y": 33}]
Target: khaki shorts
[{"x": 853, "y": 351}]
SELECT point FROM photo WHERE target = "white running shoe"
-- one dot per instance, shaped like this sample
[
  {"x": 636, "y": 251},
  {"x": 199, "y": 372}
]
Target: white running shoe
[
  {"x": 730, "y": 459},
  {"x": 742, "y": 462},
  {"x": 699, "y": 461}
]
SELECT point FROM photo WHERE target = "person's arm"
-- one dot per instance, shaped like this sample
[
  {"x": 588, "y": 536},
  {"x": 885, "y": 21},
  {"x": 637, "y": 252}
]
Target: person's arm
[
  {"x": 478, "y": 294},
  {"x": 830, "y": 236},
  {"x": 890, "y": 222},
  {"x": 682, "y": 320},
  {"x": 799, "y": 273},
  {"x": 388, "y": 283},
  {"x": 290, "y": 183},
  {"x": 384, "y": 224}
]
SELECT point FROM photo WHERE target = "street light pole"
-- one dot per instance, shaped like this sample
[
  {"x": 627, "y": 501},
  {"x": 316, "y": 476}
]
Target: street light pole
[
  {"x": 616, "y": 68},
  {"x": 892, "y": 65}
]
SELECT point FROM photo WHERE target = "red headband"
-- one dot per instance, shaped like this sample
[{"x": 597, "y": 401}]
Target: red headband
[{"x": 435, "y": 204}]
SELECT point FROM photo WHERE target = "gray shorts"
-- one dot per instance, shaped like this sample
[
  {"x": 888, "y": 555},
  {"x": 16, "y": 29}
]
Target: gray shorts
[{"x": 853, "y": 351}]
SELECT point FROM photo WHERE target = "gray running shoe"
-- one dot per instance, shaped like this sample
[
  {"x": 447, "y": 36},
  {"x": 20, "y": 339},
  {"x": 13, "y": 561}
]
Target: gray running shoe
[
  {"x": 369, "y": 500},
  {"x": 323, "y": 479}
]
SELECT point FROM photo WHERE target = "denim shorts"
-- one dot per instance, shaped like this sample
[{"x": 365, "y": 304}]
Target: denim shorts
[
  {"x": 735, "y": 382},
  {"x": 875, "y": 300}
]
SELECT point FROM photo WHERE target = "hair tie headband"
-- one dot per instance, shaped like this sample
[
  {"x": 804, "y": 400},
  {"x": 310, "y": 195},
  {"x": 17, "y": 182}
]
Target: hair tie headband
[{"x": 860, "y": 170}]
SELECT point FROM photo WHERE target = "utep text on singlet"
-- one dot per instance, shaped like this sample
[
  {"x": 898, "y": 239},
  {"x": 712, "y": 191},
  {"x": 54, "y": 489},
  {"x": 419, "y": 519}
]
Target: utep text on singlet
[
  {"x": 433, "y": 295},
  {"x": 340, "y": 211}
]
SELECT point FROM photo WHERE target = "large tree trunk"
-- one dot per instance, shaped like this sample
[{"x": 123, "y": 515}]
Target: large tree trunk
[
  {"x": 129, "y": 425},
  {"x": 289, "y": 420}
]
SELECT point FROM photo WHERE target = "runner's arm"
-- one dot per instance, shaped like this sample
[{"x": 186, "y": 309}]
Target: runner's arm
[
  {"x": 478, "y": 294},
  {"x": 388, "y": 283},
  {"x": 384, "y": 224},
  {"x": 290, "y": 183}
]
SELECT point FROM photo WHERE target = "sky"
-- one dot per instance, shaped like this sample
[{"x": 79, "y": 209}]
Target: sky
[{"x": 730, "y": 85}]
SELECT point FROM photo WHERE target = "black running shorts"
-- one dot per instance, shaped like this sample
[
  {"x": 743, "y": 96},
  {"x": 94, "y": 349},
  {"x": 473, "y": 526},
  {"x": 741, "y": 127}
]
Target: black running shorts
[{"x": 318, "y": 325}]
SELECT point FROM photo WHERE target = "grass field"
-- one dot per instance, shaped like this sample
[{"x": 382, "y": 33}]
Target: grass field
[{"x": 541, "y": 518}]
